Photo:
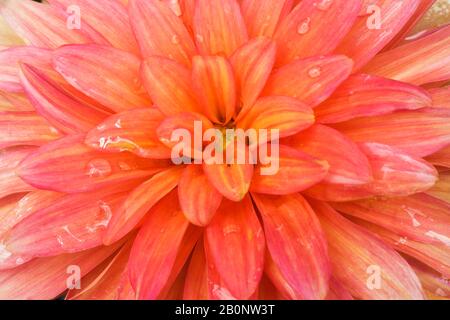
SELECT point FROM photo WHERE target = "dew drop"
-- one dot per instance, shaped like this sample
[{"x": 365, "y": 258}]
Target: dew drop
[
  {"x": 303, "y": 27},
  {"x": 324, "y": 4},
  {"x": 231, "y": 229},
  {"x": 98, "y": 168},
  {"x": 314, "y": 72},
  {"x": 19, "y": 261},
  {"x": 175, "y": 39},
  {"x": 199, "y": 38},
  {"x": 175, "y": 7}
]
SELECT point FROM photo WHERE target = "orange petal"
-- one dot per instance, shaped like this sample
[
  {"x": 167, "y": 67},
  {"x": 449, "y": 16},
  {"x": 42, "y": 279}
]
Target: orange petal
[
  {"x": 416, "y": 133},
  {"x": 199, "y": 200},
  {"x": 337, "y": 291},
  {"x": 286, "y": 114},
  {"x": 358, "y": 257},
  {"x": 285, "y": 289},
  {"x": 348, "y": 165},
  {"x": 252, "y": 64},
  {"x": 262, "y": 17},
  {"x": 103, "y": 282},
  {"x": 214, "y": 84},
  {"x": 44, "y": 26},
  {"x": 433, "y": 255},
  {"x": 441, "y": 189},
  {"x": 139, "y": 202},
  {"x": 421, "y": 61},
  {"x": 10, "y": 183},
  {"x": 415, "y": 217},
  {"x": 25, "y": 128},
  {"x": 310, "y": 80},
  {"x": 314, "y": 28},
  {"x": 110, "y": 19},
  {"x": 160, "y": 32},
  {"x": 122, "y": 91},
  {"x": 62, "y": 110},
  {"x": 72, "y": 223},
  {"x": 196, "y": 286},
  {"x": 169, "y": 85},
  {"x": 431, "y": 280},
  {"x": 53, "y": 273},
  {"x": 14, "y": 102},
  {"x": 10, "y": 60},
  {"x": 218, "y": 26},
  {"x": 301, "y": 170},
  {"x": 68, "y": 165},
  {"x": 133, "y": 131},
  {"x": 296, "y": 243},
  {"x": 236, "y": 247},
  {"x": 160, "y": 238},
  {"x": 441, "y": 97},
  {"x": 440, "y": 158},
  {"x": 370, "y": 36},
  {"x": 365, "y": 95}
]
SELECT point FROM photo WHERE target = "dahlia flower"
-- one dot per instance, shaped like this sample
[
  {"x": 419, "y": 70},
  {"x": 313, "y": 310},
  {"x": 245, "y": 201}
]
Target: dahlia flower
[{"x": 91, "y": 199}]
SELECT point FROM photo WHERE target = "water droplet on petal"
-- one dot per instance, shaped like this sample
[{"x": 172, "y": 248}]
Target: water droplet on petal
[
  {"x": 314, "y": 72},
  {"x": 98, "y": 168},
  {"x": 199, "y": 38},
  {"x": 303, "y": 27},
  {"x": 175, "y": 39},
  {"x": 324, "y": 4},
  {"x": 231, "y": 229},
  {"x": 175, "y": 7}
]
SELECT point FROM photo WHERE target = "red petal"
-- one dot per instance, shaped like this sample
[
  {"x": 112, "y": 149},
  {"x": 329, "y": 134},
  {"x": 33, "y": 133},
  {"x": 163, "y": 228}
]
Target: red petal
[
  {"x": 160, "y": 238},
  {"x": 218, "y": 26},
  {"x": 337, "y": 291},
  {"x": 133, "y": 131},
  {"x": 252, "y": 64},
  {"x": 369, "y": 36},
  {"x": 62, "y": 110},
  {"x": 314, "y": 28},
  {"x": 160, "y": 32},
  {"x": 139, "y": 202},
  {"x": 296, "y": 243},
  {"x": 122, "y": 91},
  {"x": 213, "y": 80},
  {"x": 301, "y": 170},
  {"x": 417, "y": 133},
  {"x": 310, "y": 80},
  {"x": 348, "y": 165},
  {"x": 68, "y": 165},
  {"x": 421, "y": 61},
  {"x": 199, "y": 200},
  {"x": 357, "y": 257},
  {"x": 169, "y": 85},
  {"x": 236, "y": 247},
  {"x": 364, "y": 95}
]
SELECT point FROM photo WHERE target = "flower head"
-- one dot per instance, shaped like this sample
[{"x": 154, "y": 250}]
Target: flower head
[{"x": 224, "y": 149}]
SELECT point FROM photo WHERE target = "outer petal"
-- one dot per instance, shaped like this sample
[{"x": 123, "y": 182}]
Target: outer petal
[
  {"x": 365, "y": 95},
  {"x": 169, "y": 85},
  {"x": 348, "y": 165},
  {"x": 196, "y": 286},
  {"x": 68, "y": 165},
  {"x": 417, "y": 133},
  {"x": 25, "y": 128},
  {"x": 160, "y": 32},
  {"x": 441, "y": 158},
  {"x": 421, "y": 61},
  {"x": 219, "y": 26},
  {"x": 296, "y": 243},
  {"x": 199, "y": 200},
  {"x": 286, "y": 114},
  {"x": 431, "y": 280},
  {"x": 64, "y": 111},
  {"x": 43, "y": 26},
  {"x": 252, "y": 64},
  {"x": 160, "y": 238},
  {"x": 300, "y": 169},
  {"x": 442, "y": 187},
  {"x": 415, "y": 217},
  {"x": 337, "y": 291},
  {"x": 262, "y": 17},
  {"x": 441, "y": 97},
  {"x": 20, "y": 282},
  {"x": 314, "y": 28},
  {"x": 133, "y": 131},
  {"x": 370, "y": 36},
  {"x": 356, "y": 255},
  {"x": 236, "y": 246},
  {"x": 139, "y": 202},
  {"x": 108, "y": 18},
  {"x": 215, "y": 88},
  {"x": 10, "y": 182},
  {"x": 122, "y": 91},
  {"x": 310, "y": 80}
]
